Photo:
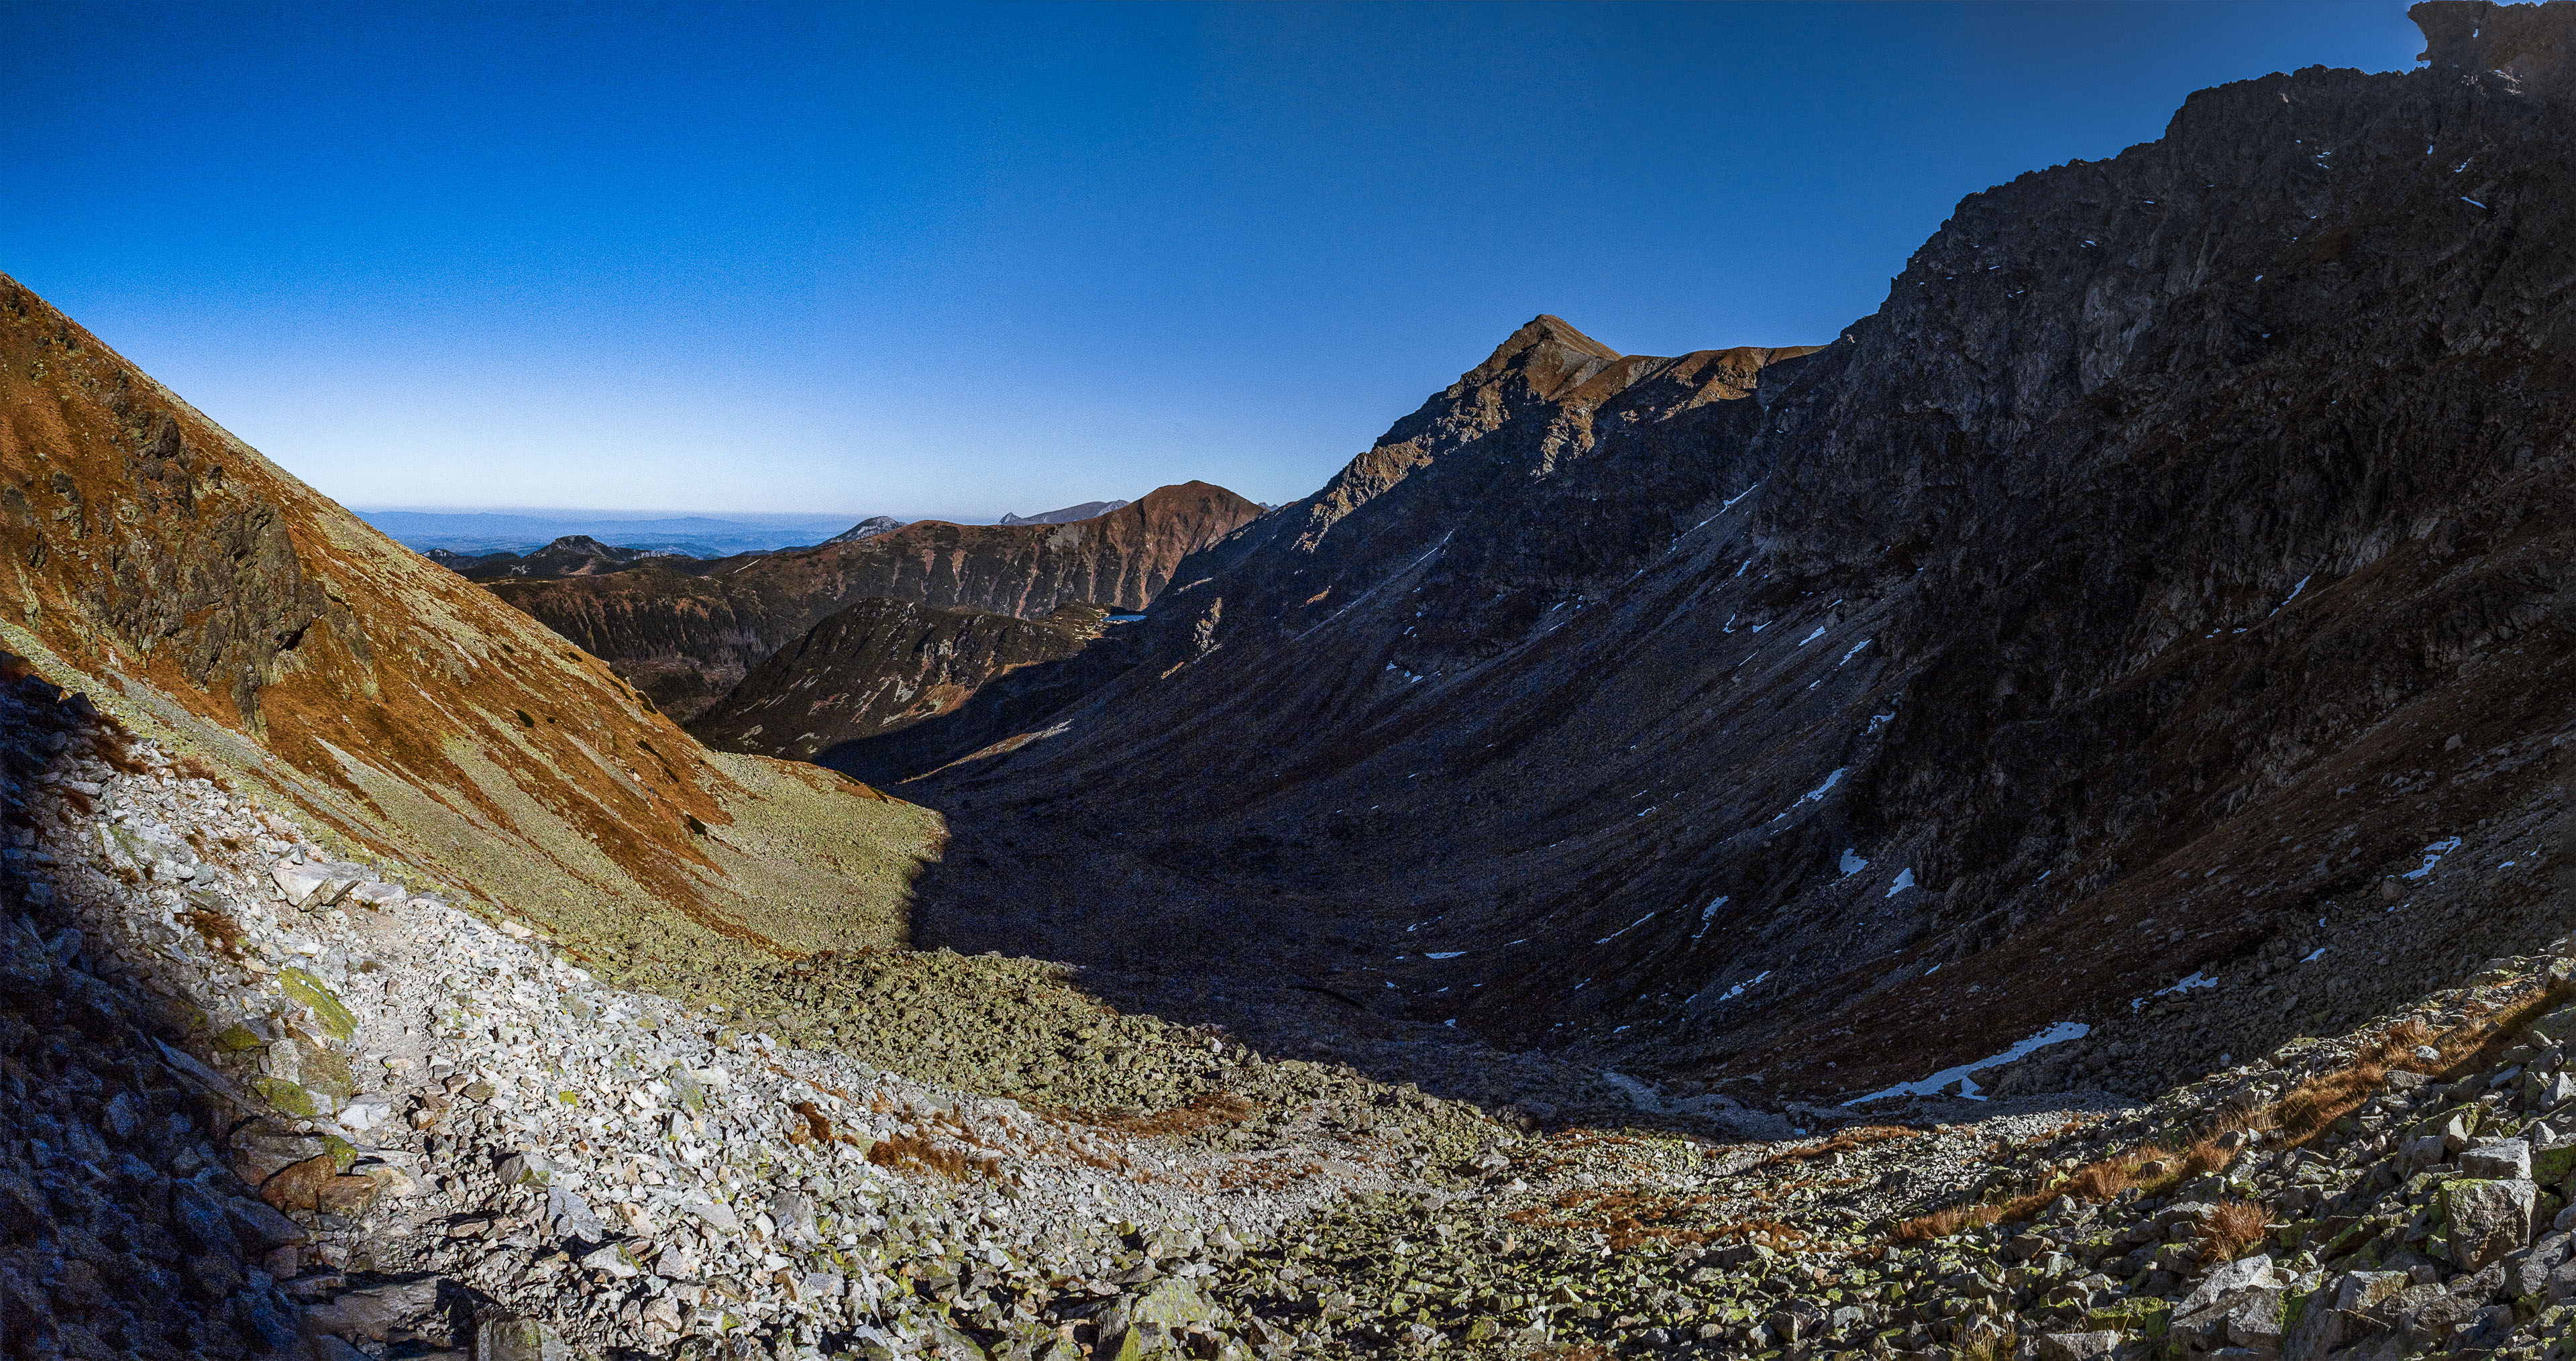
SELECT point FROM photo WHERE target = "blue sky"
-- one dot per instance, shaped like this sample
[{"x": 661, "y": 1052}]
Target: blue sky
[{"x": 957, "y": 260}]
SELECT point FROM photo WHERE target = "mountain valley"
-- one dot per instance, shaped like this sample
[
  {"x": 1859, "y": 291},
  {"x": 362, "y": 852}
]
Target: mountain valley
[{"x": 2033, "y": 827}]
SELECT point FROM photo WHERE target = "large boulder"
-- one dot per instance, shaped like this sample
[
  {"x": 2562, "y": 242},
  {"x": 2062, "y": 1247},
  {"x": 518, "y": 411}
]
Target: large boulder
[
  {"x": 2487, "y": 1219},
  {"x": 2498, "y": 1160},
  {"x": 2075, "y": 1346}
]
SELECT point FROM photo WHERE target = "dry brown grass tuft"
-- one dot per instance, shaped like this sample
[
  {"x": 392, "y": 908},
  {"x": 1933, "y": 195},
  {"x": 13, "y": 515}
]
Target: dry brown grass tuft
[
  {"x": 1847, "y": 1141},
  {"x": 222, "y": 934},
  {"x": 912, "y": 1152},
  {"x": 1946, "y": 1221},
  {"x": 1207, "y": 1110},
  {"x": 2307, "y": 1112},
  {"x": 192, "y": 767},
  {"x": 2324, "y": 1099},
  {"x": 2468, "y": 1047},
  {"x": 2231, "y": 1228},
  {"x": 1991, "y": 1346}
]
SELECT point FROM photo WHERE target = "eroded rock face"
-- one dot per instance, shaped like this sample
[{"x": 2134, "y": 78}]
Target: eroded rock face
[
  {"x": 2144, "y": 619},
  {"x": 685, "y": 637},
  {"x": 879, "y": 667},
  {"x": 2531, "y": 47}
]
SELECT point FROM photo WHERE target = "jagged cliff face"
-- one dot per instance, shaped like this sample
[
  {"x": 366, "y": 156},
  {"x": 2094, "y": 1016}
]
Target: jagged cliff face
[
  {"x": 2171, "y": 562},
  {"x": 880, "y": 667},
  {"x": 685, "y": 638},
  {"x": 189, "y": 586}
]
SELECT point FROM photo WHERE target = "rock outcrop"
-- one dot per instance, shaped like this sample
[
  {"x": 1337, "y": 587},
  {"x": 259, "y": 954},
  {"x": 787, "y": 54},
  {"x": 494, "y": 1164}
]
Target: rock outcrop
[
  {"x": 684, "y": 638},
  {"x": 2148, "y": 620},
  {"x": 2531, "y": 48}
]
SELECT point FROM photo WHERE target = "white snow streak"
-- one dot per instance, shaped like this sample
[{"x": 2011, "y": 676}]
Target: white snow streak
[
  {"x": 1814, "y": 794},
  {"x": 1625, "y": 929},
  {"x": 2056, "y": 1034}
]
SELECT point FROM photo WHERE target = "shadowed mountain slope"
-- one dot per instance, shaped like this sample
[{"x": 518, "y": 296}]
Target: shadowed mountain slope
[
  {"x": 879, "y": 667},
  {"x": 2153, "y": 619},
  {"x": 207, "y": 598},
  {"x": 685, "y": 638}
]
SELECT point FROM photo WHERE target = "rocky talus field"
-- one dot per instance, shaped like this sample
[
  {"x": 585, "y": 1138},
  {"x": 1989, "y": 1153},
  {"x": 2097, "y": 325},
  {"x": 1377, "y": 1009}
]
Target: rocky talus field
[{"x": 262, "y": 1101}]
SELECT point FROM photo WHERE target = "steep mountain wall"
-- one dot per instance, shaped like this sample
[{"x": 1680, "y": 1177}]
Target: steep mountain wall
[
  {"x": 686, "y": 638},
  {"x": 879, "y": 667},
  {"x": 2168, "y": 573},
  {"x": 204, "y": 597}
]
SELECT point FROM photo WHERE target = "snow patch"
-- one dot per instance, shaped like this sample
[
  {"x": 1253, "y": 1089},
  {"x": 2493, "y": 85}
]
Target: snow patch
[
  {"x": 2197, "y": 980},
  {"x": 1852, "y": 863},
  {"x": 2059, "y": 1033},
  {"x": 1708, "y": 914},
  {"x": 1819, "y": 633},
  {"x": 1738, "y": 989},
  {"x": 1814, "y": 794},
  {"x": 1855, "y": 650},
  {"x": 2433, "y": 856},
  {"x": 1904, "y": 881}
]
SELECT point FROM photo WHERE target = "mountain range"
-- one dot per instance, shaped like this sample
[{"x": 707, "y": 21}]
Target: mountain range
[
  {"x": 2153, "y": 593},
  {"x": 479, "y": 532},
  {"x": 686, "y": 637}
]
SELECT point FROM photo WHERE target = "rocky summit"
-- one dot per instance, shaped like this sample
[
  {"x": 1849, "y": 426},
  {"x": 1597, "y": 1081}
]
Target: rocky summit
[{"x": 2034, "y": 828}]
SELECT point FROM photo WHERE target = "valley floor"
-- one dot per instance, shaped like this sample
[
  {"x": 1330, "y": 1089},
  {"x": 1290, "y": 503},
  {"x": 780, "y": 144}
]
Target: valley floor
[{"x": 265, "y": 1101}]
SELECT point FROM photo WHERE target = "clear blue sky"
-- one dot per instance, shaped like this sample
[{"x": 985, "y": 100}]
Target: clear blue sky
[{"x": 959, "y": 260}]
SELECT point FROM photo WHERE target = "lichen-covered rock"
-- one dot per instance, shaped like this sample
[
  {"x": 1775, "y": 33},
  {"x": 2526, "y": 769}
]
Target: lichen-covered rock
[{"x": 2484, "y": 1220}]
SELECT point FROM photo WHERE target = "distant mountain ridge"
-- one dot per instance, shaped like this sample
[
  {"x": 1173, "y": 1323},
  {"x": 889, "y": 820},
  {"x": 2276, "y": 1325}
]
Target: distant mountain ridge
[
  {"x": 478, "y": 532},
  {"x": 868, "y": 528},
  {"x": 882, "y": 666},
  {"x": 1087, "y": 510},
  {"x": 685, "y": 637},
  {"x": 574, "y": 555}
]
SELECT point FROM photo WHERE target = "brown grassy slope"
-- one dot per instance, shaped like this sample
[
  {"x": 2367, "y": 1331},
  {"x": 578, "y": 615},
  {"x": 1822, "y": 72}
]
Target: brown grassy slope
[{"x": 204, "y": 595}]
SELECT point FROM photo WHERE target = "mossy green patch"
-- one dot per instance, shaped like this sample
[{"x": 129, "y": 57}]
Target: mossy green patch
[
  {"x": 321, "y": 1001},
  {"x": 287, "y": 1098}
]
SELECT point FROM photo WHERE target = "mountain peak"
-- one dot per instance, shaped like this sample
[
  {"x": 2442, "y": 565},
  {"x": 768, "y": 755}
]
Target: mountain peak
[
  {"x": 1545, "y": 332},
  {"x": 1549, "y": 326},
  {"x": 1548, "y": 351}
]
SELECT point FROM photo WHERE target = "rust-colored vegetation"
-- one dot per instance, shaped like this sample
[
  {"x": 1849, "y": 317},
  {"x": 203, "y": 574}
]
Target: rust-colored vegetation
[{"x": 2232, "y": 1227}]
